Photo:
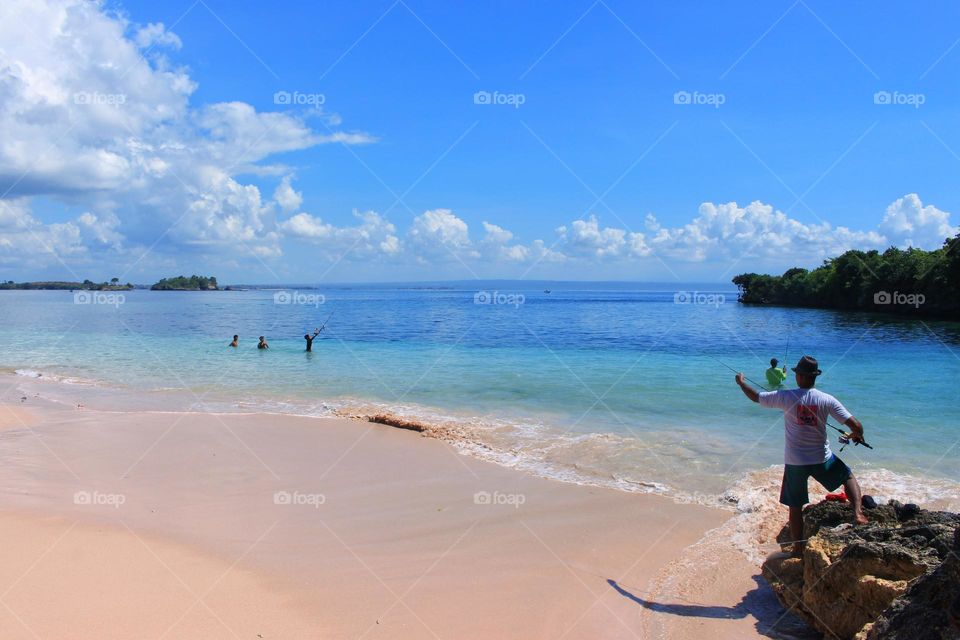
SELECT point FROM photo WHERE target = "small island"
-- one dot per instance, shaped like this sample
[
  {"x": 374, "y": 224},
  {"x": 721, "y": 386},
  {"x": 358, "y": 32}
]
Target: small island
[
  {"x": 61, "y": 285},
  {"x": 909, "y": 282},
  {"x": 182, "y": 283}
]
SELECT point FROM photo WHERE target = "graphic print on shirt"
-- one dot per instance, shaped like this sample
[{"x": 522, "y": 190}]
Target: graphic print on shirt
[{"x": 807, "y": 415}]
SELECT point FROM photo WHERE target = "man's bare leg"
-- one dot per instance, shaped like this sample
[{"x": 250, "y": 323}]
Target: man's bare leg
[
  {"x": 796, "y": 530},
  {"x": 854, "y": 495}
]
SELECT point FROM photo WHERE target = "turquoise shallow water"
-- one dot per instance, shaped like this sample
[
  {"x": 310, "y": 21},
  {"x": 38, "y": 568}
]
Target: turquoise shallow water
[{"x": 601, "y": 380}]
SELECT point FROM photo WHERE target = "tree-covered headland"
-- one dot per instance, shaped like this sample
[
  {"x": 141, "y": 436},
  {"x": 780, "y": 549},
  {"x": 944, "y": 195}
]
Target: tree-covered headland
[{"x": 905, "y": 281}]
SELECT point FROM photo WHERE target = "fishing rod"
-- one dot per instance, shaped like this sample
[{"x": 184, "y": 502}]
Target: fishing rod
[
  {"x": 324, "y": 325},
  {"x": 735, "y": 371},
  {"x": 844, "y": 436}
]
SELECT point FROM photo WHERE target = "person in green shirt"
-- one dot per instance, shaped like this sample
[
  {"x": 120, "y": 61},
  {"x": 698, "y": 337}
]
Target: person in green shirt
[{"x": 776, "y": 376}]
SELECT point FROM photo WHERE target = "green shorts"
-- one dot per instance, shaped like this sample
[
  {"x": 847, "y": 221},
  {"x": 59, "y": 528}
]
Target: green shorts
[{"x": 831, "y": 473}]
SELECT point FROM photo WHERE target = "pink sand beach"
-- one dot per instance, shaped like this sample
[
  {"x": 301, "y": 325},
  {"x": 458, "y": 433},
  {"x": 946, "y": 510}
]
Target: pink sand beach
[{"x": 128, "y": 524}]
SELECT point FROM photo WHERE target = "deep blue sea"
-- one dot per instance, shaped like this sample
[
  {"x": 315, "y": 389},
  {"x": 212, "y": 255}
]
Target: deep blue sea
[{"x": 612, "y": 383}]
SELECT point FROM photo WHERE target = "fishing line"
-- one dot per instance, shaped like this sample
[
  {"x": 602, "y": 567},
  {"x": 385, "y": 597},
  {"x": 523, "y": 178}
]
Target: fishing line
[{"x": 735, "y": 371}]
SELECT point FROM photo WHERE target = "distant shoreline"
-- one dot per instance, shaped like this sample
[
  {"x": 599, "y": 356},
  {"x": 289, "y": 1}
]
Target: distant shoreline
[{"x": 56, "y": 285}]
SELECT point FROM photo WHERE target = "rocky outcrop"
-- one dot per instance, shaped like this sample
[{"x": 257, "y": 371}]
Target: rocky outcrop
[
  {"x": 850, "y": 577},
  {"x": 929, "y": 610}
]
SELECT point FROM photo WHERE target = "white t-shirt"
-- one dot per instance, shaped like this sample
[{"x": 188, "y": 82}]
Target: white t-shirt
[{"x": 805, "y": 413}]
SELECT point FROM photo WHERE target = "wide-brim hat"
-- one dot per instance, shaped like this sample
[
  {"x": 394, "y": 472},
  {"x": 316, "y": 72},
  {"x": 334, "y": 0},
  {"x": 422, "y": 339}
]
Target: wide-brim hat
[{"x": 807, "y": 366}]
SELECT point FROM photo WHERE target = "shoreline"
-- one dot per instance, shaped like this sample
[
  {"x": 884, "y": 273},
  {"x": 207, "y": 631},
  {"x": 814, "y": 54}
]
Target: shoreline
[
  {"x": 523, "y": 444},
  {"x": 409, "y": 535}
]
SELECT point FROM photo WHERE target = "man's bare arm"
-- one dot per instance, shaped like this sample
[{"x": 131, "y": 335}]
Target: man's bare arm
[
  {"x": 856, "y": 429},
  {"x": 748, "y": 391}
]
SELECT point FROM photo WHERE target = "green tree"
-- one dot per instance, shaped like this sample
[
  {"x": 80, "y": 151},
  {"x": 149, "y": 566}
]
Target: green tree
[{"x": 854, "y": 279}]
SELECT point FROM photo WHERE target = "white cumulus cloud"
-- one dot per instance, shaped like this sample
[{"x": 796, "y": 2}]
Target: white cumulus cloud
[
  {"x": 373, "y": 235},
  {"x": 156, "y": 35},
  {"x": 285, "y": 196},
  {"x": 86, "y": 120},
  {"x": 729, "y": 231},
  {"x": 440, "y": 233},
  {"x": 586, "y": 238},
  {"x": 25, "y": 241},
  {"x": 907, "y": 223}
]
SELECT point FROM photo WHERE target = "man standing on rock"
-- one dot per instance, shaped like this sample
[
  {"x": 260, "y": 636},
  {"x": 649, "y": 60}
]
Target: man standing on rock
[{"x": 807, "y": 450}]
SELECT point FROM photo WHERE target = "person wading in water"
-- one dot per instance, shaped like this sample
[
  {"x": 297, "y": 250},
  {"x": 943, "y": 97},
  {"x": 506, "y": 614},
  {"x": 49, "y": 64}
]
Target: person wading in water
[
  {"x": 807, "y": 450},
  {"x": 775, "y": 376},
  {"x": 309, "y": 338}
]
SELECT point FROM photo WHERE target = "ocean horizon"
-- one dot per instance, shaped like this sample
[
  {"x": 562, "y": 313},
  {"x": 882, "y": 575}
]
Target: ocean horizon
[{"x": 638, "y": 285}]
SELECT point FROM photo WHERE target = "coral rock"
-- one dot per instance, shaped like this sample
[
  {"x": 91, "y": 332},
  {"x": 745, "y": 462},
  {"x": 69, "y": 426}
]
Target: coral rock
[{"x": 868, "y": 581}]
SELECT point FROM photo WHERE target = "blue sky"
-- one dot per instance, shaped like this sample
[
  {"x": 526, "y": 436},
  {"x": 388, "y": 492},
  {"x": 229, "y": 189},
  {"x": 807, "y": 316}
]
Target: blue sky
[{"x": 599, "y": 138}]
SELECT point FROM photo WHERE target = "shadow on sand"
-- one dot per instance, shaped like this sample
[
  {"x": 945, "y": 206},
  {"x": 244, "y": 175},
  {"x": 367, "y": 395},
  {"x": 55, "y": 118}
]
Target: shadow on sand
[{"x": 760, "y": 603}]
